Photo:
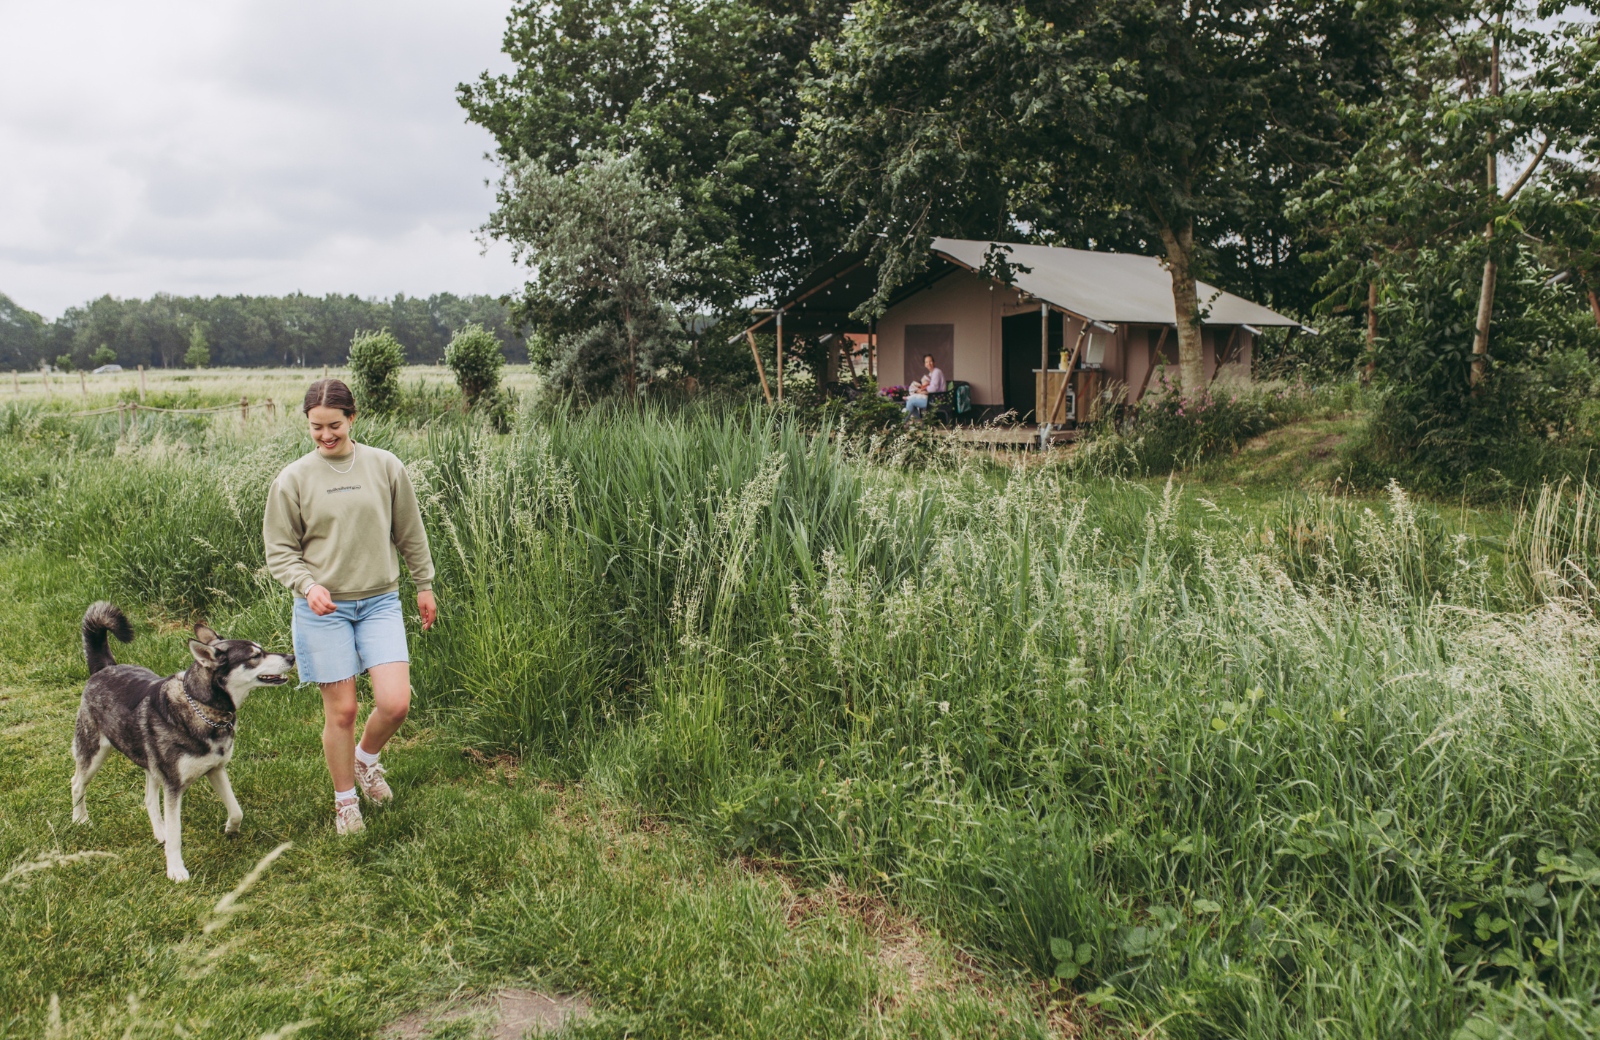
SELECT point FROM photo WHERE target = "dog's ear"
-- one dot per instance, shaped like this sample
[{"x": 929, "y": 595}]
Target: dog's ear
[
  {"x": 206, "y": 655},
  {"x": 204, "y": 634}
]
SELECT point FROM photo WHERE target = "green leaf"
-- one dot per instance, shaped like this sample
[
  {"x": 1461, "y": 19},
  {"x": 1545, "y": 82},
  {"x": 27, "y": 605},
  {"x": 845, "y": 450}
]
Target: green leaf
[
  {"x": 1067, "y": 970},
  {"x": 1219, "y": 724},
  {"x": 1105, "y": 996},
  {"x": 1207, "y": 906},
  {"x": 1061, "y": 949}
]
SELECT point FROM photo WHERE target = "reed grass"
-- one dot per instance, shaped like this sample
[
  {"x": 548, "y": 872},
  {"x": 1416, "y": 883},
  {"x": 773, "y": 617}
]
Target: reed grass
[{"x": 1326, "y": 771}]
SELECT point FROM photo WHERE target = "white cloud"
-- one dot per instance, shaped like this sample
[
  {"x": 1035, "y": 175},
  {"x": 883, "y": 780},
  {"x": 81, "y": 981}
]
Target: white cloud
[{"x": 243, "y": 146}]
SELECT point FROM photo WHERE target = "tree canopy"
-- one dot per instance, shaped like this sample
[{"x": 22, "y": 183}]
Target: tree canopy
[
  {"x": 706, "y": 95},
  {"x": 1162, "y": 127}
]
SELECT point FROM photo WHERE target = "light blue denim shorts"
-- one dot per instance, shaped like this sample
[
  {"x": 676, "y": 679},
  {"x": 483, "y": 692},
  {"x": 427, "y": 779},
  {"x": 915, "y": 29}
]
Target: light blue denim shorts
[{"x": 358, "y": 634}]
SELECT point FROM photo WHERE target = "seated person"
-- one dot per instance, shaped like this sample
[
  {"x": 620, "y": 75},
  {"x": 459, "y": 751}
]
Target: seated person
[{"x": 918, "y": 393}]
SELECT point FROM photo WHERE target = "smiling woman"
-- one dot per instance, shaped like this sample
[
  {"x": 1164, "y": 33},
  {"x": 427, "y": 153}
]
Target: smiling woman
[{"x": 334, "y": 519}]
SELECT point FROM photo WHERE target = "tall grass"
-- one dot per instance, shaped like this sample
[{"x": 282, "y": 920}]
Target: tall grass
[{"x": 1331, "y": 774}]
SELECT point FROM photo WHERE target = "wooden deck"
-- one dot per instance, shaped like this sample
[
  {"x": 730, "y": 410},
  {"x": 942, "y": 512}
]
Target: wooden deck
[{"x": 1008, "y": 436}]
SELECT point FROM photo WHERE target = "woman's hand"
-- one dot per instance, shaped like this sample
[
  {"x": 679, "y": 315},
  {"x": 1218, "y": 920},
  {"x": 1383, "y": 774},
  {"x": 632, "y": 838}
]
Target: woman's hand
[
  {"x": 320, "y": 601},
  {"x": 429, "y": 608}
]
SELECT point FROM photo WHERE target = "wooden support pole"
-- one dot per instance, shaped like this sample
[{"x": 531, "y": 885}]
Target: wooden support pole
[
  {"x": 16, "y": 382},
  {"x": 44, "y": 373},
  {"x": 761, "y": 370},
  {"x": 1061, "y": 395},
  {"x": 1043, "y": 396},
  {"x": 141, "y": 382},
  {"x": 324, "y": 371},
  {"x": 122, "y": 421},
  {"x": 807, "y": 294},
  {"x": 272, "y": 411},
  {"x": 872, "y": 347},
  {"x": 1155, "y": 357},
  {"x": 1225, "y": 356},
  {"x": 244, "y": 410},
  {"x": 83, "y": 384},
  {"x": 780, "y": 357}
]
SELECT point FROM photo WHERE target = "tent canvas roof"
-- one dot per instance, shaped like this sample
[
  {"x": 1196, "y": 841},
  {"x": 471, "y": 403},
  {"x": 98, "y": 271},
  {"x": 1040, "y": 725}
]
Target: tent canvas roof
[{"x": 1115, "y": 288}]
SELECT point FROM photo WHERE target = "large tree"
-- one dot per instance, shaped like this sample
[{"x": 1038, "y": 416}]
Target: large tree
[
  {"x": 611, "y": 270},
  {"x": 21, "y": 336},
  {"x": 1484, "y": 142},
  {"x": 704, "y": 94},
  {"x": 1154, "y": 124}
]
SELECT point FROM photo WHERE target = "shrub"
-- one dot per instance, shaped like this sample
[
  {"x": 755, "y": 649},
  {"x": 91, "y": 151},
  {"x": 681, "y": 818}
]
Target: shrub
[
  {"x": 1441, "y": 433},
  {"x": 199, "y": 353},
  {"x": 475, "y": 357},
  {"x": 1166, "y": 432},
  {"x": 376, "y": 359},
  {"x": 64, "y": 362},
  {"x": 103, "y": 355}
]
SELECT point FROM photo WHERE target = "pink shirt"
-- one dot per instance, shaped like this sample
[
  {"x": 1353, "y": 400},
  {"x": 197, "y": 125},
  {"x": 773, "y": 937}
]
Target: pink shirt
[{"x": 934, "y": 381}]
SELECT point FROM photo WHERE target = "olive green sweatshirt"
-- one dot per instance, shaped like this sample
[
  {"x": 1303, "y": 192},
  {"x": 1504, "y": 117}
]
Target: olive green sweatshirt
[{"x": 336, "y": 522}]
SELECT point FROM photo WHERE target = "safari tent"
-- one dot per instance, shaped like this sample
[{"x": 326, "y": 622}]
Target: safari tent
[{"x": 1072, "y": 325}]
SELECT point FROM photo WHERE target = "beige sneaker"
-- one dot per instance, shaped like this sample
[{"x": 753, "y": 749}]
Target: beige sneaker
[
  {"x": 347, "y": 818},
  {"x": 370, "y": 780}
]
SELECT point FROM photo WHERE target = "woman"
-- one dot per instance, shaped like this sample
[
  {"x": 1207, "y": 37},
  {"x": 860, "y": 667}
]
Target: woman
[{"x": 334, "y": 520}]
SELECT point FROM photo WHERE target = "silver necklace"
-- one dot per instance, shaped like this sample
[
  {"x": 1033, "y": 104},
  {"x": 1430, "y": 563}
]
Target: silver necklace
[{"x": 348, "y": 468}]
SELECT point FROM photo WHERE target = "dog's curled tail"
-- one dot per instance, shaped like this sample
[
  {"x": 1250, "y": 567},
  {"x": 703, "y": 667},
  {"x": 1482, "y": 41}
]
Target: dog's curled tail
[{"x": 99, "y": 619}]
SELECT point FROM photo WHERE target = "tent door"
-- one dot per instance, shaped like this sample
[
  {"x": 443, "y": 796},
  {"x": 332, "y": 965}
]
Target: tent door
[{"x": 1019, "y": 358}]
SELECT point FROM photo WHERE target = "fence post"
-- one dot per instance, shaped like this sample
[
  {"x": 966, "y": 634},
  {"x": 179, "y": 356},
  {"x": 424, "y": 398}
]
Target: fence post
[
  {"x": 44, "y": 371},
  {"x": 324, "y": 371},
  {"x": 16, "y": 382},
  {"x": 122, "y": 421},
  {"x": 272, "y": 411},
  {"x": 83, "y": 384},
  {"x": 244, "y": 410},
  {"x": 141, "y": 382}
]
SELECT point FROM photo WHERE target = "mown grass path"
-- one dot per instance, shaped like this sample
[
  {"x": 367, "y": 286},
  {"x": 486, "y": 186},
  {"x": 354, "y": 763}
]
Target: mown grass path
[{"x": 479, "y": 875}]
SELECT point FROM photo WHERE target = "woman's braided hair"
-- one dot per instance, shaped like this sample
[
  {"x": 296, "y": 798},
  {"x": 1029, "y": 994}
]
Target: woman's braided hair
[{"x": 330, "y": 393}]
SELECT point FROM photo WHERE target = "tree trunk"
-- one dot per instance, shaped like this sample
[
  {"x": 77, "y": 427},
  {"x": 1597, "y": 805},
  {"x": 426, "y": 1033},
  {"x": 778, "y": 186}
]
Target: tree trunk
[
  {"x": 1185, "y": 301},
  {"x": 1480, "y": 334},
  {"x": 633, "y": 365},
  {"x": 1372, "y": 331}
]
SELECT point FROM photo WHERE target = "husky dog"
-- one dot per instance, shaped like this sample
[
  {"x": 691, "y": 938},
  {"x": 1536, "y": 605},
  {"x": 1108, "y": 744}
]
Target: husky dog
[{"x": 176, "y": 729}]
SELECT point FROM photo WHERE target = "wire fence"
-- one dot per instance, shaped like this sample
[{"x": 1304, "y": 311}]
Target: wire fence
[{"x": 131, "y": 409}]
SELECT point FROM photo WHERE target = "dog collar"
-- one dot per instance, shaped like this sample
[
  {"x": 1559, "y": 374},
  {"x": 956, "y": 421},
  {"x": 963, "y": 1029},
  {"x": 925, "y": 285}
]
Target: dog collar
[{"x": 225, "y": 726}]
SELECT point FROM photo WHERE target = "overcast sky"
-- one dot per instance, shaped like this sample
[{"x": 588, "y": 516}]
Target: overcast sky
[{"x": 243, "y": 146}]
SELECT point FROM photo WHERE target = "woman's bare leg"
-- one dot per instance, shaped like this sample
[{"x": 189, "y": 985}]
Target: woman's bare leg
[
  {"x": 391, "y": 701},
  {"x": 339, "y": 731}
]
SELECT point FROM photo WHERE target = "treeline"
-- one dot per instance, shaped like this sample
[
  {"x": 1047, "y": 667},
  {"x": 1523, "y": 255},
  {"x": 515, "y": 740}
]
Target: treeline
[{"x": 244, "y": 331}]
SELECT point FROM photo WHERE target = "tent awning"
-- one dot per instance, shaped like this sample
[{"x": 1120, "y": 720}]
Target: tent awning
[
  {"x": 1116, "y": 288},
  {"x": 1113, "y": 288}
]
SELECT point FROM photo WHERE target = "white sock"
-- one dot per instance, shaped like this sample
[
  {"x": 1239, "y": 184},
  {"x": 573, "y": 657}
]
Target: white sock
[
  {"x": 344, "y": 796},
  {"x": 366, "y": 758}
]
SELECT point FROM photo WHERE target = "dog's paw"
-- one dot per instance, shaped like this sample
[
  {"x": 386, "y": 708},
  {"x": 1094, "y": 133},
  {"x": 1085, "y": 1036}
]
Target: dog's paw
[
  {"x": 231, "y": 828},
  {"x": 161, "y": 837},
  {"x": 81, "y": 819},
  {"x": 178, "y": 873}
]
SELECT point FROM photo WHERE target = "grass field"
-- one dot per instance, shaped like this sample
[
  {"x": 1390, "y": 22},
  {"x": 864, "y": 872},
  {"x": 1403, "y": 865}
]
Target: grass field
[
  {"x": 284, "y": 386},
  {"x": 805, "y": 746}
]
